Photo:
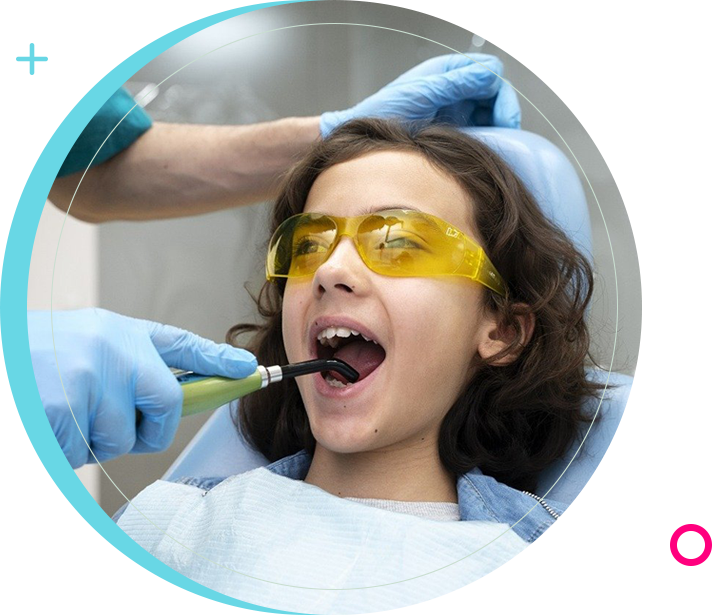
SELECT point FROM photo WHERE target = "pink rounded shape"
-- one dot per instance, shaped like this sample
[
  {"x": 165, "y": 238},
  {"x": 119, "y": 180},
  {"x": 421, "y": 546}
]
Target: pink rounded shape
[{"x": 690, "y": 557}]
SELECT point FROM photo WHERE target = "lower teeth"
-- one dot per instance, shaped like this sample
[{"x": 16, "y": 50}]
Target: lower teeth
[{"x": 334, "y": 382}]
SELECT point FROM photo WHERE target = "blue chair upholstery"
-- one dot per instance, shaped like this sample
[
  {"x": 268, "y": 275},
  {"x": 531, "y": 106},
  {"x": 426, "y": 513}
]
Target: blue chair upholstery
[{"x": 218, "y": 449}]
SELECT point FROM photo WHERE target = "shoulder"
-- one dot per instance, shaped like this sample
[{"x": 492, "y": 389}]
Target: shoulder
[
  {"x": 294, "y": 466},
  {"x": 484, "y": 498},
  {"x": 203, "y": 484}
]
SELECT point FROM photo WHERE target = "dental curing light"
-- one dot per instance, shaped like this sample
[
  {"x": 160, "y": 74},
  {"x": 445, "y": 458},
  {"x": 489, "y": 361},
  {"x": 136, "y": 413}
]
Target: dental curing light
[{"x": 203, "y": 393}]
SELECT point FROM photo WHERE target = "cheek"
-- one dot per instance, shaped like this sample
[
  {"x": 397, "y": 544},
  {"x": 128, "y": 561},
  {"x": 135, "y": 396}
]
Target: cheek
[
  {"x": 438, "y": 317},
  {"x": 293, "y": 323},
  {"x": 441, "y": 324}
]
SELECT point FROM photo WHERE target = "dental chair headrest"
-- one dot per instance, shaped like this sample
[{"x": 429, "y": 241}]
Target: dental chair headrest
[{"x": 548, "y": 175}]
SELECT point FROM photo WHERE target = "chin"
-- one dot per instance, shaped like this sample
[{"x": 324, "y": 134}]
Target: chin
[
  {"x": 346, "y": 426},
  {"x": 344, "y": 444}
]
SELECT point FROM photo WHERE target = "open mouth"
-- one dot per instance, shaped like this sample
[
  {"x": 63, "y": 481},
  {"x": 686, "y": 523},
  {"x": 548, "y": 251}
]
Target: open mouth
[{"x": 352, "y": 347}]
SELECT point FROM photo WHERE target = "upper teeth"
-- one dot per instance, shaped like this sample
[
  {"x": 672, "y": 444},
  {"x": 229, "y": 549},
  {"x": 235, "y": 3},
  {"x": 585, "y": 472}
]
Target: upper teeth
[{"x": 328, "y": 336}]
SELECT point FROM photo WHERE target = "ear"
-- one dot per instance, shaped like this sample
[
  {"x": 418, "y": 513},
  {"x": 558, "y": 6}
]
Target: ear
[{"x": 497, "y": 337}]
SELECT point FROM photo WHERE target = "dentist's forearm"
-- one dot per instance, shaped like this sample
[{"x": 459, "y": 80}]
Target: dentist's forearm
[{"x": 178, "y": 170}]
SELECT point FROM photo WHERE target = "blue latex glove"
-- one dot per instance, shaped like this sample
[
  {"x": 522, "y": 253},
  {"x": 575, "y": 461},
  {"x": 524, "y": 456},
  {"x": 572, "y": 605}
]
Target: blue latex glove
[
  {"x": 111, "y": 366},
  {"x": 458, "y": 89}
]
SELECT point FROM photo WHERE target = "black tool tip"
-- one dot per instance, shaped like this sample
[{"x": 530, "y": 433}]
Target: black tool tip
[
  {"x": 343, "y": 368},
  {"x": 320, "y": 365}
]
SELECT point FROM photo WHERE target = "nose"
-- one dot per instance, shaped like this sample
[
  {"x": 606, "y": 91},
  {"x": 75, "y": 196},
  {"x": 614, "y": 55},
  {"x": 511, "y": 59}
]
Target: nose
[{"x": 342, "y": 272}]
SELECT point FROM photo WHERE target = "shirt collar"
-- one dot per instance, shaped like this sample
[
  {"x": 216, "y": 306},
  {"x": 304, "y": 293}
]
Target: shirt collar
[
  {"x": 479, "y": 497},
  {"x": 472, "y": 506}
]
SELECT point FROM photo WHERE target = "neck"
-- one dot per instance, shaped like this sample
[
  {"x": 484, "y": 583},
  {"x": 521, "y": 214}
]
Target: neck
[{"x": 406, "y": 474}]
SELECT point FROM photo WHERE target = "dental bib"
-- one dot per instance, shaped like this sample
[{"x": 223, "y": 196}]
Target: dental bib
[{"x": 284, "y": 544}]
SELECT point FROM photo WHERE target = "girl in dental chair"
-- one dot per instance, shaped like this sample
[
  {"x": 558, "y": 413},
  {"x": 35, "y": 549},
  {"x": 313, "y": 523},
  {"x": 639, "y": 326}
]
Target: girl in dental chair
[{"x": 418, "y": 257}]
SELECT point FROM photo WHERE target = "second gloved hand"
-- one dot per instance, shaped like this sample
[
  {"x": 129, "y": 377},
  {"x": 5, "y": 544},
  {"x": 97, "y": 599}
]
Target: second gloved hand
[
  {"x": 111, "y": 366},
  {"x": 462, "y": 90}
]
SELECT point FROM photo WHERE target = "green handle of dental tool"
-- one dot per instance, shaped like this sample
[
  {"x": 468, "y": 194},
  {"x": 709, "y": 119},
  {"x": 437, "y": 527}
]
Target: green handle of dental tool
[{"x": 211, "y": 393}]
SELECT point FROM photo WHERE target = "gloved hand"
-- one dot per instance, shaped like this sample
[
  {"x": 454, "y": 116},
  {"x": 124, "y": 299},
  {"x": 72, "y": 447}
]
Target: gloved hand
[
  {"x": 111, "y": 366},
  {"x": 462, "y": 90}
]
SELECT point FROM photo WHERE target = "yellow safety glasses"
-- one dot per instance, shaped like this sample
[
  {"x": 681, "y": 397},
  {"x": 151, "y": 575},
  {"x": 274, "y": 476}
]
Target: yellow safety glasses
[{"x": 397, "y": 242}]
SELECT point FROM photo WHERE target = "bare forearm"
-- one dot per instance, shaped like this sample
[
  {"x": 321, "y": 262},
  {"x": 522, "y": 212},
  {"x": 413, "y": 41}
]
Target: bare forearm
[{"x": 181, "y": 170}]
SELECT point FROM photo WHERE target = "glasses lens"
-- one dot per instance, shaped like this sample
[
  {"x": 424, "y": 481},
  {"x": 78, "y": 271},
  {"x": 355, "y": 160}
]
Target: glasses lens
[
  {"x": 300, "y": 245},
  {"x": 409, "y": 244}
]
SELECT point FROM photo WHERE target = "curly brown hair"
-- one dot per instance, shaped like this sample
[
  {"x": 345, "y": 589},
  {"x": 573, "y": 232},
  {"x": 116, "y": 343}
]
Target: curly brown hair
[{"x": 512, "y": 420}]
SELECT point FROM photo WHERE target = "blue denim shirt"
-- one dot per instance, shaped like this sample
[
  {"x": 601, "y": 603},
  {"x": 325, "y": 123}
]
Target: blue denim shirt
[{"x": 480, "y": 498}]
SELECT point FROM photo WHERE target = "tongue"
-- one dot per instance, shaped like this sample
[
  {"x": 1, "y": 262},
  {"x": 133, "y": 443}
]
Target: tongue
[{"x": 363, "y": 356}]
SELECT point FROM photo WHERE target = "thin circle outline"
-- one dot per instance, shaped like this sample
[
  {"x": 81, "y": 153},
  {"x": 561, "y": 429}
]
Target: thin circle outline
[{"x": 600, "y": 401}]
